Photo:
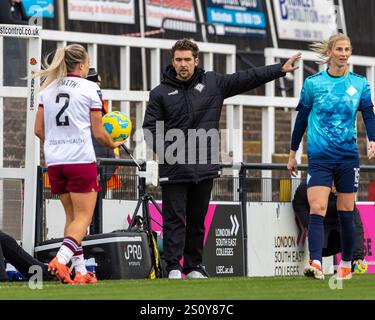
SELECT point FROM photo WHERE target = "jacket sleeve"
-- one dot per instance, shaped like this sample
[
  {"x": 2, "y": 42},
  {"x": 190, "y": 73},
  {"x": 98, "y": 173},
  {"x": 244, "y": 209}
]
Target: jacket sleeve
[
  {"x": 154, "y": 113},
  {"x": 242, "y": 81},
  {"x": 367, "y": 108},
  {"x": 359, "y": 249}
]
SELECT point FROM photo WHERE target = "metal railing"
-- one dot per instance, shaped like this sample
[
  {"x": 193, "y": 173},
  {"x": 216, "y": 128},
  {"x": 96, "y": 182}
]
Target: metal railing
[
  {"x": 240, "y": 189},
  {"x": 246, "y": 185}
]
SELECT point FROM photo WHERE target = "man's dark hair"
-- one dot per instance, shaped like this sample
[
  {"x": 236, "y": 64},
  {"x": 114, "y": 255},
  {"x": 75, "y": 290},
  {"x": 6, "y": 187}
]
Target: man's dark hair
[
  {"x": 93, "y": 75},
  {"x": 184, "y": 45}
]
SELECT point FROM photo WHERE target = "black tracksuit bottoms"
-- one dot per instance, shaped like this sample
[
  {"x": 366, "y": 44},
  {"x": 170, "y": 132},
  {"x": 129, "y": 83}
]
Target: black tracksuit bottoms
[
  {"x": 184, "y": 209},
  {"x": 19, "y": 258}
]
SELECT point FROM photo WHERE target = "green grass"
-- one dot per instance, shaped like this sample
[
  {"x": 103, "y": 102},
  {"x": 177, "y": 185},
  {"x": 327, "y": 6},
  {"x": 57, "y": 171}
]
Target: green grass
[{"x": 360, "y": 287}]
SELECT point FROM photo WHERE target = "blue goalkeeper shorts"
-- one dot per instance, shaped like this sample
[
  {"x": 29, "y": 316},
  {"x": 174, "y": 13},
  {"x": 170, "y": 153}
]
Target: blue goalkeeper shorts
[{"x": 345, "y": 175}]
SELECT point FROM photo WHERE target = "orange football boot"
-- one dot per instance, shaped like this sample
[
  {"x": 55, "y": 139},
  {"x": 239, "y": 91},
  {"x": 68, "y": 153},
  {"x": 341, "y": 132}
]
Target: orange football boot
[
  {"x": 88, "y": 278},
  {"x": 313, "y": 269},
  {"x": 61, "y": 271},
  {"x": 344, "y": 273}
]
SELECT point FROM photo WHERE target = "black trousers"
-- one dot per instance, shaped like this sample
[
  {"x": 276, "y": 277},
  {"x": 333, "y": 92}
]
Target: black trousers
[
  {"x": 18, "y": 257},
  {"x": 184, "y": 209}
]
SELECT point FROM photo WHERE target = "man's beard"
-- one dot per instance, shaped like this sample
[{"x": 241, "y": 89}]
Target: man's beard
[{"x": 184, "y": 75}]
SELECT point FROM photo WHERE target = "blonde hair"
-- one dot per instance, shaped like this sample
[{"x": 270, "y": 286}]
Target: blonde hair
[
  {"x": 322, "y": 47},
  {"x": 64, "y": 62}
]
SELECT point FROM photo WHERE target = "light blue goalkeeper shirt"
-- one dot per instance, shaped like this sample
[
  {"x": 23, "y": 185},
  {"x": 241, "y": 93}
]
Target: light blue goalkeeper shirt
[{"x": 328, "y": 107}]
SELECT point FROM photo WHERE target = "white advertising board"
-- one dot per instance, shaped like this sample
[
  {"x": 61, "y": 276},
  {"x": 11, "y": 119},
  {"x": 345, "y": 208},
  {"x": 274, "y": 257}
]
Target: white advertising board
[
  {"x": 117, "y": 11},
  {"x": 308, "y": 20},
  {"x": 276, "y": 241},
  {"x": 157, "y": 10},
  {"x": 115, "y": 216}
]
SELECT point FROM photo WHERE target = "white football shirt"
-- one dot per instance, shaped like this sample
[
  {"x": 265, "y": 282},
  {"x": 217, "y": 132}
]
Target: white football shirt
[{"x": 67, "y": 123}]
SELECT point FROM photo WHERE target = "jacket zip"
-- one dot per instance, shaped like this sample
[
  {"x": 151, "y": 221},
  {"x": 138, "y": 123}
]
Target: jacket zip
[
  {"x": 187, "y": 101},
  {"x": 191, "y": 111}
]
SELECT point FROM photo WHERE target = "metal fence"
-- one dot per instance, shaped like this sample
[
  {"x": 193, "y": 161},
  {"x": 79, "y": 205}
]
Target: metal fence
[
  {"x": 124, "y": 185},
  {"x": 246, "y": 185}
]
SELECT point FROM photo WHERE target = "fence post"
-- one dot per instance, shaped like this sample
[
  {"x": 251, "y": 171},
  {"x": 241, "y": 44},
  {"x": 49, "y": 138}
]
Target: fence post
[
  {"x": 96, "y": 226},
  {"x": 39, "y": 207},
  {"x": 243, "y": 199}
]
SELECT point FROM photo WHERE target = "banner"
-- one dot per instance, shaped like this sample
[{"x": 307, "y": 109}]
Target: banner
[
  {"x": 237, "y": 17},
  {"x": 367, "y": 212},
  {"x": 223, "y": 254},
  {"x": 310, "y": 20},
  {"x": 276, "y": 241},
  {"x": 117, "y": 11},
  {"x": 44, "y": 8},
  {"x": 157, "y": 10}
]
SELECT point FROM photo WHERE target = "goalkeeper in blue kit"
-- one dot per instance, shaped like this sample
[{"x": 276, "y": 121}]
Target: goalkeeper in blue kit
[{"x": 328, "y": 107}]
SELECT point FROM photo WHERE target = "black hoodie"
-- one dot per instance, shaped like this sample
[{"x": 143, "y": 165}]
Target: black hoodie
[{"x": 189, "y": 106}]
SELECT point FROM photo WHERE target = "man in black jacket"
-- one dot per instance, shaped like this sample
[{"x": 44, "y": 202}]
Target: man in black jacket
[
  {"x": 186, "y": 106},
  {"x": 332, "y": 242}
]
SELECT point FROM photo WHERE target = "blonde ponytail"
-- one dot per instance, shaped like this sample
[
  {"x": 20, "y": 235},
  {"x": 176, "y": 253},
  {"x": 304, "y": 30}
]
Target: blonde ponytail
[
  {"x": 321, "y": 48},
  {"x": 64, "y": 62}
]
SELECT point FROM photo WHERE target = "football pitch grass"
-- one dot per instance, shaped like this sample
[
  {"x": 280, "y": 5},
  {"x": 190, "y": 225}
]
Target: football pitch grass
[{"x": 360, "y": 287}]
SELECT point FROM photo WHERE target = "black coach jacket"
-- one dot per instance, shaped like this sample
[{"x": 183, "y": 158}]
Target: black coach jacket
[{"x": 188, "y": 113}]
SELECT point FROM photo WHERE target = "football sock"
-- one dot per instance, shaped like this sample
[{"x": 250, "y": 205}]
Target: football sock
[
  {"x": 78, "y": 261},
  {"x": 316, "y": 236},
  {"x": 67, "y": 249},
  {"x": 347, "y": 234}
]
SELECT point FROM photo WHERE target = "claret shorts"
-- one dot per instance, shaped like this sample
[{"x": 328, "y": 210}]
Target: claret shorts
[{"x": 80, "y": 178}]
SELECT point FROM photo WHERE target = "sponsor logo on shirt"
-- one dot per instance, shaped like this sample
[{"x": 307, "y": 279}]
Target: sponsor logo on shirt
[
  {"x": 356, "y": 177},
  {"x": 308, "y": 178},
  {"x": 173, "y": 93},
  {"x": 99, "y": 92},
  {"x": 351, "y": 91},
  {"x": 199, "y": 87}
]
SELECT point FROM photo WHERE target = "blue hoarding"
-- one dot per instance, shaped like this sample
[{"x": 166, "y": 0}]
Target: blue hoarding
[
  {"x": 237, "y": 16},
  {"x": 43, "y": 8}
]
